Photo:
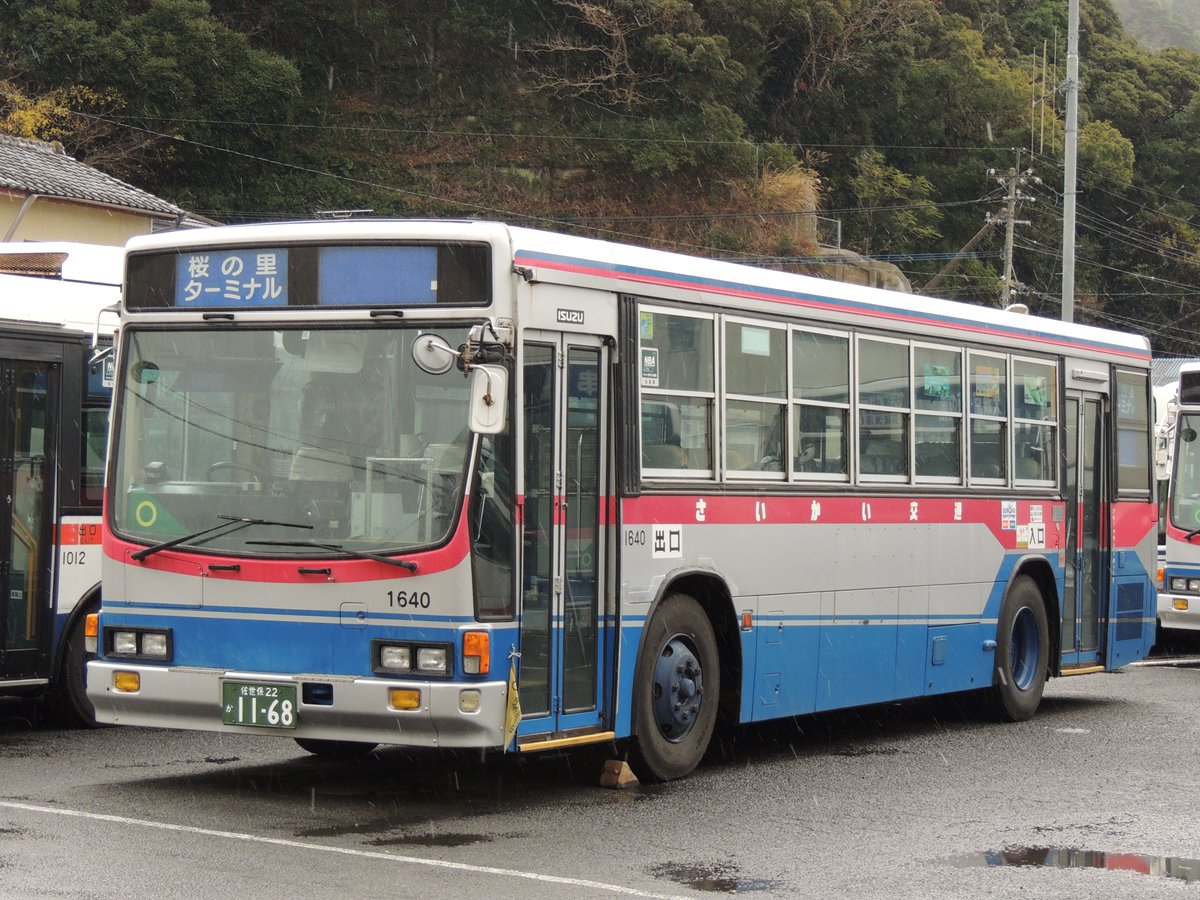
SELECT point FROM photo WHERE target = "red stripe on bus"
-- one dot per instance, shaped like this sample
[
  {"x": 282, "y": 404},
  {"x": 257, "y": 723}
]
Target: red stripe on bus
[
  {"x": 865, "y": 510},
  {"x": 277, "y": 571}
]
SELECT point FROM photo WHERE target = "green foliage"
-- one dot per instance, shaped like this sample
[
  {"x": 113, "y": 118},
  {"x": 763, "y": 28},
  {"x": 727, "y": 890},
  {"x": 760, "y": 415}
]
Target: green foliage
[
  {"x": 589, "y": 108},
  {"x": 1106, "y": 154},
  {"x": 896, "y": 206}
]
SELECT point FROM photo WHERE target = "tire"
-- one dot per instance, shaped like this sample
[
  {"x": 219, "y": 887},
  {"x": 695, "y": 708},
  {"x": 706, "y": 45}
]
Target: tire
[
  {"x": 69, "y": 697},
  {"x": 336, "y": 749},
  {"x": 1022, "y": 652},
  {"x": 677, "y": 686}
]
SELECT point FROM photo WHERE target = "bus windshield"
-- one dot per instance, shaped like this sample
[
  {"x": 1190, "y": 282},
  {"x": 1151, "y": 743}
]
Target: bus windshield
[{"x": 336, "y": 430}]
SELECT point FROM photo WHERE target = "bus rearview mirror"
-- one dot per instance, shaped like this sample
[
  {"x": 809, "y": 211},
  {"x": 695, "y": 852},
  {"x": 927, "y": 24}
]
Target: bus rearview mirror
[{"x": 489, "y": 399}]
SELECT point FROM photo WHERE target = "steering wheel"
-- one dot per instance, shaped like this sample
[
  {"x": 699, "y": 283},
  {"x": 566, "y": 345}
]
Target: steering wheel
[{"x": 221, "y": 465}]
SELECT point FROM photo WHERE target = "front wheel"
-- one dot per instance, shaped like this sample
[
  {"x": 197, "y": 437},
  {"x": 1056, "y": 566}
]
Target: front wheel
[
  {"x": 677, "y": 685},
  {"x": 1022, "y": 651}
]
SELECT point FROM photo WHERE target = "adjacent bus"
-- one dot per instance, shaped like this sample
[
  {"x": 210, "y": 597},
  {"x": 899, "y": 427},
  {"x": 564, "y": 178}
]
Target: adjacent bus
[
  {"x": 55, "y": 389},
  {"x": 1179, "y": 599},
  {"x": 465, "y": 485}
]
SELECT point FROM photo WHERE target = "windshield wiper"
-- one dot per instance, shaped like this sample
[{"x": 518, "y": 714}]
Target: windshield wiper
[
  {"x": 230, "y": 524},
  {"x": 338, "y": 548},
  {"x": 1191, "y": 534}
]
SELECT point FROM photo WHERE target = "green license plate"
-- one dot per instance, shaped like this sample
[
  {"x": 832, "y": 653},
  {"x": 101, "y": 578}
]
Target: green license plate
[{"x": 261, "y": 704}]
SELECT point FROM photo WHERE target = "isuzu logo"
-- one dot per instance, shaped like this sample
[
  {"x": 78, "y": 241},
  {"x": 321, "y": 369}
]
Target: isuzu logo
[{"x": 570, "y": 316}]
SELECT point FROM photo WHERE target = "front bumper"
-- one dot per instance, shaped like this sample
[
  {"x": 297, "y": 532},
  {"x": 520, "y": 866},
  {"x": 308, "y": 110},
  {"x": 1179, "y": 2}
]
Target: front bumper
[
  {"x": 1171, "y": 617},
  {"x": 188, "y": 698}
]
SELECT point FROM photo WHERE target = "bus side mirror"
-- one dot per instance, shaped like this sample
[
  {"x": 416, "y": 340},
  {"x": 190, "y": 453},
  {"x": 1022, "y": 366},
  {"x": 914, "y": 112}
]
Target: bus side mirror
[{"x": 489, "y": 399}]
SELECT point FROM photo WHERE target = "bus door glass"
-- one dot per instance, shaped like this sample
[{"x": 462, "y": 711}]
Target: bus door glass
[
  {"x": 562, "y": 617},
  {"x": 1086, "y": 576},
  {"x": 28, "y": 392}
]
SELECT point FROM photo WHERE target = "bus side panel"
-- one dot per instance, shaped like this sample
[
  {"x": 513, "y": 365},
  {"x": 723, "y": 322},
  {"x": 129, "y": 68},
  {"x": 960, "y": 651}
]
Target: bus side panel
[
  {"x": 1134, "y": 600},
  {"x": 787, "y": 652}
]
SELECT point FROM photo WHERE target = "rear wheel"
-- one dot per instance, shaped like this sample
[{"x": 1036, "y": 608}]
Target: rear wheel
[
  {"x": 336, "y": 749},
  {"x": 677, "y": 684},
  {"x": 1022, "y": 651},
  {"x": 70, "y": 698}
]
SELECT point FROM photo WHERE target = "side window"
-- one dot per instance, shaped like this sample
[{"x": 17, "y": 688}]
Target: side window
[
  {"x": 755, "y": 397},
  {"x": 884, "y": 412},
  {"x": 821, "y": 404},
  {"x": 988, "y": 407},
  {"x": 678, "y": 394},
  {"x": 1133, "y": 432},
  {"x": 938, "y": 413},
  {"x": 1035, "y": 412},
  {"x": 94, "y": 435}
]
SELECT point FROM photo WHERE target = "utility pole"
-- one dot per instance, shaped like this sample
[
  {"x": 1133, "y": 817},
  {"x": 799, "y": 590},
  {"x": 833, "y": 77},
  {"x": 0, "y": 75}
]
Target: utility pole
[
  {"x": 1009, "y": 224},
  {"x": 1072, "y": 139},
  {"x": 1014, "y": 181}
]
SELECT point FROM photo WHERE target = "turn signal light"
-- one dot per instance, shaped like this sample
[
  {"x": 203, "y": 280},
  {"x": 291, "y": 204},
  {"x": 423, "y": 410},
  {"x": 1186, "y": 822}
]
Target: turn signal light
[
  {"x": 91, "y": 632},
  {"x": 1180, "y": 603},
  {"x": 404, "y": 698},
  {"x": 477, "y": 652},
  {"x": 127, "y": 682}
]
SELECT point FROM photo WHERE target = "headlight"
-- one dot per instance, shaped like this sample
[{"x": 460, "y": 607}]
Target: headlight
[
  {"x": 139, "y": 643},
  {"x": 399, "y": 658},
  {"x": 1193, "y": 585},
  {"x": 154, "y": 644},
  {"x": 396, "y": 658},
  {"x": 431, "y": 660},
  {"x": 124, "y": 643}
]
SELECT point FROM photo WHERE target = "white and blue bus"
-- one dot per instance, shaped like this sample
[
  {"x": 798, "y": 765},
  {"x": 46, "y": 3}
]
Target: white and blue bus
[
  {"x": 55, "y": 390},
  {"x": 463, "y": 485},
  {"x": 1179, "y": 595}
]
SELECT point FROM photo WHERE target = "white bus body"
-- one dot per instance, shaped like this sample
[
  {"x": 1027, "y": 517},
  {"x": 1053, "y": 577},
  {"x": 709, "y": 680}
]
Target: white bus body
[{"x": 691, "y": 487}]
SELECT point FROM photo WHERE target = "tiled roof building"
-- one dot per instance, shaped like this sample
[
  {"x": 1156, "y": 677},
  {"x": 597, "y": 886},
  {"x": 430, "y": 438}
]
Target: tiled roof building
[{"x": 47, "y": 195}]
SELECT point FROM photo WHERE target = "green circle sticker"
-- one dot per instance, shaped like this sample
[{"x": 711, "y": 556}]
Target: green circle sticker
[{"x": 146, "y": 514}]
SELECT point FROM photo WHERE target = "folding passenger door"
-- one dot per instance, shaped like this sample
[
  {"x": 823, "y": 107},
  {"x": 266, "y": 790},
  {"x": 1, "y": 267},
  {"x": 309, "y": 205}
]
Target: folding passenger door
[
  {"x": 28, "y": 467},
  {"x": 564, "y": 396},
  {"x": 1085, "y": 594}
]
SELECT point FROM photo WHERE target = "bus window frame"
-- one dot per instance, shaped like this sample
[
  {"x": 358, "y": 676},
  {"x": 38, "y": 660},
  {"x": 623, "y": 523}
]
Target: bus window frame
[
  {"x": 715, "y": 423},
  {"x": 850, "y": 431},
  {"x": 725, "y": 396},
  {"x": 1056, "y": 422},
  {"x": 918, "y": 412}
]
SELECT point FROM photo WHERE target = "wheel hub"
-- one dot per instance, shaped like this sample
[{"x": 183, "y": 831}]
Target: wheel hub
[{"x": 678, "y": 689}]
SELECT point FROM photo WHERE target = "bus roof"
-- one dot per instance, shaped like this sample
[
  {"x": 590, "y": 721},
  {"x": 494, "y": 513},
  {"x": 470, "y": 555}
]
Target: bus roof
[
  {"x": 59, "y": 283},
  {"x": 553, "y": 257}
]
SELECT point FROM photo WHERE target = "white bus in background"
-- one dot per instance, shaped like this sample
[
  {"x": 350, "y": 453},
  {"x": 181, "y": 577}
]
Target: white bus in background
[
  {"x": 1179, "y": 595},
  {"x": 55, "y": 390}
]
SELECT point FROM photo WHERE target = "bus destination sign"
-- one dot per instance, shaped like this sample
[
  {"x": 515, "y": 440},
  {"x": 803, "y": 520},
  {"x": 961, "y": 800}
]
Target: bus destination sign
[
  {"x": 266, "y": 277},
  {"x": 288, "y": 276},
  {"x": 223, "y": 278}
]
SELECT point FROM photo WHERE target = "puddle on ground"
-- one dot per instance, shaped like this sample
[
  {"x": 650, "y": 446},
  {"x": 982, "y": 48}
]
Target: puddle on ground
[
  {"x": 432, "y": 840},
  {"x": 1067, "y": 858},
  {"x": 713, "y": 878}
]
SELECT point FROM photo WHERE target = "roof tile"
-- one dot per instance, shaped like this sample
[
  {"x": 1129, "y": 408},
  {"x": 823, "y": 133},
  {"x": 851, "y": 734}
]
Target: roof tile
[{"x": 42, "y": 168}]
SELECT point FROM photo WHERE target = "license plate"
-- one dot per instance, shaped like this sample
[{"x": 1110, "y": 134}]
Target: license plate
[{"x": 260, "y": 704}]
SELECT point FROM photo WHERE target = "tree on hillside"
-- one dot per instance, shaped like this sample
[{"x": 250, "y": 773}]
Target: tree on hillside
[{"x": 166, "y": 67}]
